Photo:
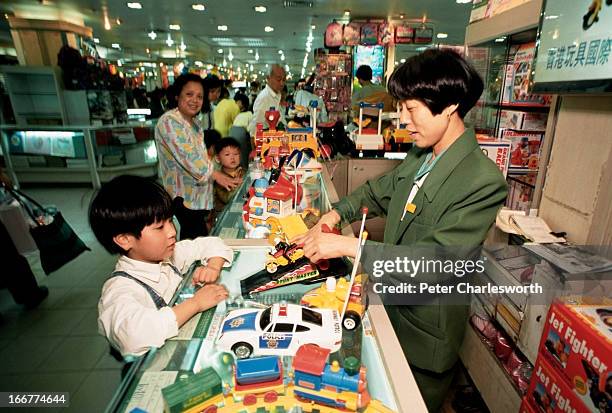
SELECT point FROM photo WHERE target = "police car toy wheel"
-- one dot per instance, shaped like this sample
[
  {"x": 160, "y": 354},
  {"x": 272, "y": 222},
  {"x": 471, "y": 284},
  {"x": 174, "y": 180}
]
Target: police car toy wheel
[
  {"x": 242, "y": 350},
  {"x": 351, "y": 321}
]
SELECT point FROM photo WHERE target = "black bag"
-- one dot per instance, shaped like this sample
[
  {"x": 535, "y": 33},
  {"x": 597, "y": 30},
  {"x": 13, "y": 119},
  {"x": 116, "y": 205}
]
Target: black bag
[{"x": 56, "y": 240}]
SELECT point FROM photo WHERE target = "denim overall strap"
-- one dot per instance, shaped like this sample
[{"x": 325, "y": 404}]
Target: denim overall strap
[{"x": 159, "y": 301}]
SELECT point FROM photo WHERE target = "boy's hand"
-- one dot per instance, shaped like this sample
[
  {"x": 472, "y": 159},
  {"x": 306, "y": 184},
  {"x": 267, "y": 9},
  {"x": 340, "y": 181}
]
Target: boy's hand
[
  {"x": 206, "y": 275},
  {"x": 209, "y": 296}
]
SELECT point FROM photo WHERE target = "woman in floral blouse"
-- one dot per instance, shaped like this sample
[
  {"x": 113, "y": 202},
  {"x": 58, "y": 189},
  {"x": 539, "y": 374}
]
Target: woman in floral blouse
[{"x": 186, "y": 171}]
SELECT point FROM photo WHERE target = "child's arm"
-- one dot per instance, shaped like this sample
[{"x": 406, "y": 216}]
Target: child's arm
[
  {"x": 205, "y": 298},
  {"x": 210, "y": 273},
  {"x": 210, "y": 250}
]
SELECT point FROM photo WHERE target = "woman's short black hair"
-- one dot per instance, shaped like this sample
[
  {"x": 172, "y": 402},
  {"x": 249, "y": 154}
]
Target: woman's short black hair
[
  {"x": 177, "y": 87},
  {"x": 364, "y": 72},
  {"x": 244, "y": 99},
  {"x": 438, "y": 78},
  {"x": 211, "y": 137},
  {"x": 210, "y": 82},
  {"x": 126, "y": 205}
]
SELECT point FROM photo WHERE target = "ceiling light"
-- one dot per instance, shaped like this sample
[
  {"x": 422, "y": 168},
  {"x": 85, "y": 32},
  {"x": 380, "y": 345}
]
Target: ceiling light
[
  {"x": 169, "y": 41},
  {"x": 107, "y": 25},
  {"x": 463, "y": 1},
  {"x": 269, "y": 29},
  {"x": 96, "y": 40},
  {"x": 442, "y": 35},
  {"x": 174, "y": 27},
  {"x": 256, "y": 55},
  {"x": 260, "y": 9},
  {"x": 134, "y": 5},
  {"x": 183, "y": 46},
  {"x": 119, "y": 63},
  {"x": 280, "y": 52},
  {"x": 152, "y": 35},
  {"x": 251, "y": 68},
  {"x": 118, "y": 21},
  {"x": 403, "y": 61},
  {"x": 283, "y": 57},
  {"x": 115, "y": 46},
  {"x": 198, "y": 63},
  {"x": 313, "y": 27},
  {"x": 219, "y": 51},
  {"x": 347, "y": 12},
  {"x": 222, "y": 28},
  {"x": 250, "y": 51},
  {"x": 551, "y": 17},
  {"x": 147, "y": 50},
  {"x": 198, "y": 7},
  {"x": 500, "y": 39},
  {"x": 402, "y": 16},
  {"x": 230, "y": 55}
]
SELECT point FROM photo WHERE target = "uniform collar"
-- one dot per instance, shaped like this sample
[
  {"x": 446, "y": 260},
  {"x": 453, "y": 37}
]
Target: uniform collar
[
  {"x": 141, "y": 269},
  {"x": 453, "y": 155},
  {"x": 271, "y": 92}
]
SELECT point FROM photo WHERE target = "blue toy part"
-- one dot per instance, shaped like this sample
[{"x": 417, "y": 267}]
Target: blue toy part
[
  {"x": 321, "y": 399},
  {"x": 313, "y": 103},
  {"x": 275, "y": 340},
  {"x": 307, "y": 380},
  {"x": 340, "y": 380},
  {"x": 258, "y": 369},
  {"x": 242, "y": 322},
  {"x": 260, "y": 185}
]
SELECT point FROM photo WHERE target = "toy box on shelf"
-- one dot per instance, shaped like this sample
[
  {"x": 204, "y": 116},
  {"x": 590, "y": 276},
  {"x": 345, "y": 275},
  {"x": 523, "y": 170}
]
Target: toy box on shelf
[{"x": 576, "y": 346}]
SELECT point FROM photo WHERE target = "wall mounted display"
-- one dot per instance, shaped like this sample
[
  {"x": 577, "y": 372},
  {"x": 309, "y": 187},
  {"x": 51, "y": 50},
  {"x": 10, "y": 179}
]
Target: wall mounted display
[
  {"x": 351, "y": 34},
  {"x": 373, "y": 56},
  {"x": 404, "y": 34},
  {"x": 369, "y": 34},
  {"x": 573, "y": 55},
  {"x": 423, "y": 35}
]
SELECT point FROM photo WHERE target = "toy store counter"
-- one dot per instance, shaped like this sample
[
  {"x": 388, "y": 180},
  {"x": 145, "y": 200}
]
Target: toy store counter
[{"x": 195, "y": 364}]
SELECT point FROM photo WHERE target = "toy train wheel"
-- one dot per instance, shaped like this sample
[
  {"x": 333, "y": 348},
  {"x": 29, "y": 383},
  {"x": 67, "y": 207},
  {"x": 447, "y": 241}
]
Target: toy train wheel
[
  {"x": 270, "y": 397},
  {"x": 323, "y": 264},
  {"x": 271, "y": 267},
  {"x": 351, "y": 321},
  {"x": 242, "y": 350},
  {"x": 210, "y": 409},
  {"x": 249, "y": 400}
]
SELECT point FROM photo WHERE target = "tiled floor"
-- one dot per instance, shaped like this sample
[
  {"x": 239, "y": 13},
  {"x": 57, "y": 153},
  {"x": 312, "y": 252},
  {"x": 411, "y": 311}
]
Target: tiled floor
[{"x": 56, "y": 347}]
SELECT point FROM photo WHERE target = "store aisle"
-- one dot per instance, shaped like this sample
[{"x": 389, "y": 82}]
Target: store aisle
[{"x": 56, "y": 347}]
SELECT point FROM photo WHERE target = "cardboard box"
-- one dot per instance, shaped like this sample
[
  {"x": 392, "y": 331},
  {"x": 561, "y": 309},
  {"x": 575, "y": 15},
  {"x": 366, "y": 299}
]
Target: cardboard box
[
  {"x": 549, "y": 393},
  {"x": 577, "y": 343},
  {"x": 526, "y": 407},
  {"x": 514, "y": 119},
  {"x": 498, "y": 152}
]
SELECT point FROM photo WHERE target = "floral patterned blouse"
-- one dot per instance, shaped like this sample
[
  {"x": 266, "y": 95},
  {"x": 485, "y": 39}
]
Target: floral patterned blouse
[{"x": 184, "y": 166}]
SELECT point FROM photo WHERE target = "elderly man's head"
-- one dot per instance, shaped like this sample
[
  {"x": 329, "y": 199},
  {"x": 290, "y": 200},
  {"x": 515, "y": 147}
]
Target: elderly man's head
[{"x": 276, "y": 78}]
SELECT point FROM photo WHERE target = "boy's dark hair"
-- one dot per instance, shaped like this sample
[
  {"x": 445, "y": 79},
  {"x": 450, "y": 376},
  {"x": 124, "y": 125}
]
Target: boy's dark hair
[
  {"x": 244, "y": 99},
  {"x": 225, "y": 142},
  {"x": 179, "y": 83},
  {"x": 211, "y": 137},
  {"x": 126, "y": 205},
  {"x": 438, "y": 78},
  {"x": 364, "y": 72}
]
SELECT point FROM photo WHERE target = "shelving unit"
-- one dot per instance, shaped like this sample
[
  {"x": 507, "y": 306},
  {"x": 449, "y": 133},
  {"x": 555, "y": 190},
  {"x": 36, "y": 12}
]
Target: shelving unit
[
  {"x": 333, "y": 84},
  {"x": 87, "y": 158},
  {"x": 36, "y": 94}
]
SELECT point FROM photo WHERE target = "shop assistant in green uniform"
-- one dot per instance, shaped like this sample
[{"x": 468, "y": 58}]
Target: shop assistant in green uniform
[{"x": 446, "y": 192}]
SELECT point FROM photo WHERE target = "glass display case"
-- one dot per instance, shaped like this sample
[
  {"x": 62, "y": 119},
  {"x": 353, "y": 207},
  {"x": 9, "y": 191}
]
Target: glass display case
[
  {"x": 389, "y": 379},
  {"x": 78, "y": 154}
]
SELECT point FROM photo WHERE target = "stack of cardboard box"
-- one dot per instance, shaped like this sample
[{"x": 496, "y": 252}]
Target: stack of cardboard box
[{"x": 572, "y": 371}]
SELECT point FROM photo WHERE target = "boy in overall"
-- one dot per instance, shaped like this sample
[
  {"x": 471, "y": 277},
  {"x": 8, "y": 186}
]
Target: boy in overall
[{"x": 132, "y": 216}]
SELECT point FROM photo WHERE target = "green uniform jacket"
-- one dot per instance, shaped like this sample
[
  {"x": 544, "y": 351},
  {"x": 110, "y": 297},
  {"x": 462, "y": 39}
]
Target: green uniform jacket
[{"x": 455, "y": 207}]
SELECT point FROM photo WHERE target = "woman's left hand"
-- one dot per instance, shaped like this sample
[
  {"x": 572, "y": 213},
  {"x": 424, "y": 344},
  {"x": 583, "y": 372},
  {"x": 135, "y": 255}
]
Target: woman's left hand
[
  {"x": 320, "y": 245},
  {"x": 206, "y": 275}
]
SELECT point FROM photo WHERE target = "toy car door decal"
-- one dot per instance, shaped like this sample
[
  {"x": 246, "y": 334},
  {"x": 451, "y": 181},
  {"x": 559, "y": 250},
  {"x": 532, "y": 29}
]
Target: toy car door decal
[{"x": 280, "y": 337}]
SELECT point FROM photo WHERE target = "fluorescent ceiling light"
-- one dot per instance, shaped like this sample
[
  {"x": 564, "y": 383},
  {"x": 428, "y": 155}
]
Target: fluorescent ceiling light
[
  {"x": 442, "y": 35},
  {"x": 174, "y": 27},
  {"x": 313, "y": 27},
  {"x": 222, "y": 28},
  {"x": 198, "y": 63},
  {"x": 134, "y": 5},
  {"x": 219, "y": 51},
  {"x": 347, "y": 12},
  {"x": 115, "y": 46},
  {"x": 250, "y": 51},
  {"x": 96, "y": 40},
  {"x": 551, "y": 17},
  {"x": 152, "y": 35},
  {"x": 500, "y": 39},
  {"x": 403, "y": 61},
  {"x": 260, "y": 9},
  {"x": 269, "y": 29},
  {"x": 282, "y": 57},
  {"x": 463, "y": 1},
  {"x": 280, "y": 52},
  {"x": 198, "y": 7}
]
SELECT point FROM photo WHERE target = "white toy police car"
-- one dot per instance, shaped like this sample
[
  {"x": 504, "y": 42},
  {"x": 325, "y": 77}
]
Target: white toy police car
[{"x": 279, "y": 330}]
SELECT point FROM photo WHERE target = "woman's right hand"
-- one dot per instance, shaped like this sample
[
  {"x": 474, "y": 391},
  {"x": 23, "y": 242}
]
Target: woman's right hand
[
  {"x": 225, "y": 181},
  {"x": 330, "y": 219}
]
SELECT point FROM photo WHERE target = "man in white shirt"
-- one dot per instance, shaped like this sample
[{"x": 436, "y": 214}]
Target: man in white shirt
[{"x": 269, "y": 97}]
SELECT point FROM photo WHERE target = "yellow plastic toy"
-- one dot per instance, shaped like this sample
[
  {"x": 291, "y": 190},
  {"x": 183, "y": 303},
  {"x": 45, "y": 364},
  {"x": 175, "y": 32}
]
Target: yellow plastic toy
[{"x": 332, "y": 294}]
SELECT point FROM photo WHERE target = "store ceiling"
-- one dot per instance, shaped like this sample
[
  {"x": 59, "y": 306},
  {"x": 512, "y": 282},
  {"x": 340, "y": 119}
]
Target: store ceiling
[{"x": 291, "y": 20}]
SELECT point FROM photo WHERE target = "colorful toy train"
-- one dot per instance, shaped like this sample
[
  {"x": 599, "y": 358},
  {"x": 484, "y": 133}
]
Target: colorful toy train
[{"x": 314, "y": 384}]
